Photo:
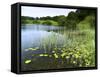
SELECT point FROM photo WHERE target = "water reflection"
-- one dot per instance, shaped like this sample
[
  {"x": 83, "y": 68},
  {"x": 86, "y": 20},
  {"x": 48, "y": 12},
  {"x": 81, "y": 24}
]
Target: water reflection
[{"x": 31, "y": 34}]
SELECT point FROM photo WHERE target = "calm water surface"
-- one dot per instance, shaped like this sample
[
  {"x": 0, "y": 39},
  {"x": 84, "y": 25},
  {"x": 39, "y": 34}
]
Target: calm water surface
[{"x": 31, "y": 35}]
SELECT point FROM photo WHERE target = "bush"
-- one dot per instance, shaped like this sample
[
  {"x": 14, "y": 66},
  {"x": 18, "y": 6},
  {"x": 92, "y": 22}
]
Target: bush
[
  {"x": 47, "y": 22},
  {"x": 87, "y": 23}
]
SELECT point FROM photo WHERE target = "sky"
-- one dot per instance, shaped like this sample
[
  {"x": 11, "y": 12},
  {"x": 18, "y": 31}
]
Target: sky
[{"x": 43, "y": 11}]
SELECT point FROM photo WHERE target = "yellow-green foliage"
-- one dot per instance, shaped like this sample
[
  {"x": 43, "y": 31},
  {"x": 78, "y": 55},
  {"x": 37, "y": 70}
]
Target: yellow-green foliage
[
  {"x": 79, "y": 50},
  {"x": 55, "y": 55},
  {"x": 32, "y": 49},
  {"x": 27, "y": 61},
  {"x": 75, "y": 47},
  {"x": 48, "y": 22},
  {"x": 87, "y": 23},
  {"x": 44, "y": 55}
]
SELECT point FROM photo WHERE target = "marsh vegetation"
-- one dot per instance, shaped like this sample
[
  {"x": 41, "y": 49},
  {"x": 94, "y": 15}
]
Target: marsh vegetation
[{"x": 59, "y": 41}]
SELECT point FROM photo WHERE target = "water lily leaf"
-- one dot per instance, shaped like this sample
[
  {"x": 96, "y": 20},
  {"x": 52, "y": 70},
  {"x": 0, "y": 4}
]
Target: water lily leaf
[
  {"x": 63, "y": 54},
  {"x": 70, "y": 53},
  {"x": 55, "y": 55},
  {"x": 27, "y": 61},
  {"x": 76, "y": 55},
  {"x": 67, "y": 57},
  {"x": 32, "y": 49},
  {"x": 45, "y": 54},
  {"x": 74, "y": 62},
  {"x": 41, "y": 55}
]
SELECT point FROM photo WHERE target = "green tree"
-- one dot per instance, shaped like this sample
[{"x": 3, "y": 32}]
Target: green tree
[
  {"x": 71, "y": 20},
  {"x": 61, "y": 20},
  {"x": 47, "y": 22}
]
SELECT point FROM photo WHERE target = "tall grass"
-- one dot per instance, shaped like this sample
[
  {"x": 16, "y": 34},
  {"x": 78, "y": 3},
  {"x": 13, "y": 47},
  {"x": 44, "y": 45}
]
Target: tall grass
[
  {"x": 77, "y": 46},
  {"x": 67, "y": 49}
]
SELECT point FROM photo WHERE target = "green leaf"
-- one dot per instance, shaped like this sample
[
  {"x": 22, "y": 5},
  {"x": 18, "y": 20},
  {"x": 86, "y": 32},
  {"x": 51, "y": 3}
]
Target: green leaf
[
  {"x": 63, "y": 54},
  {"x": 76, "y": 55},
  {"x": 55, "y": 55},
  {"x": 74, "y": 62},
  {"x": 27, "y": 61},
  {"x": 45, "y": 54},
  {"x": 32, "y": 49},
  {"x": 41, "y": 55},
  {"x": 67, "y": 57}
]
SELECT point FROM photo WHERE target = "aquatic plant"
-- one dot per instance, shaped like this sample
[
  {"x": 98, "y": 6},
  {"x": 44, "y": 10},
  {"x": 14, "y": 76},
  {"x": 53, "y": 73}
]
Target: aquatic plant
[
  {"x": 75, "y": 50},
  {"x": 27, "y": 61}
]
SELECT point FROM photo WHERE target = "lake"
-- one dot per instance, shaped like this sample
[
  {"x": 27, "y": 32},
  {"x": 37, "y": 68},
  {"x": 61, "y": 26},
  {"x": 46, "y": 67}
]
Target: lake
[
  {"x": 53, "y": 47},
  {"x": 32, "y": 36}
]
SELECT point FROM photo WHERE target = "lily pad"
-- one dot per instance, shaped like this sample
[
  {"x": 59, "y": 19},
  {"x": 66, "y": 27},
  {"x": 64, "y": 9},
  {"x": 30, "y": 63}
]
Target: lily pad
[
  {"x": 32, "y": 49},
  {"x": 28, "y": 61},
  {"x": 67, "y": 57},
  {"x": 74, "y": 62},
  {"x": 41, "y": 55},
  {"x": 63, "y": 54},
  {"x": 55, "y": 55}
]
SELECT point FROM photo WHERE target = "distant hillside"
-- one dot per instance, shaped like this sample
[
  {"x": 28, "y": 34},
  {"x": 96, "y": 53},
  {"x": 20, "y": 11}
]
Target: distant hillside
[{"x": 75, "y": 20}]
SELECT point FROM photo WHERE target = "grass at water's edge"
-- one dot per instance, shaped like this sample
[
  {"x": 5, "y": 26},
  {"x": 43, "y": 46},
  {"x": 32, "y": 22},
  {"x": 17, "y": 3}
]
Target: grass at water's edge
[
  {"x": 77, "y": 49},
  {"x": 42, "y": 22}
]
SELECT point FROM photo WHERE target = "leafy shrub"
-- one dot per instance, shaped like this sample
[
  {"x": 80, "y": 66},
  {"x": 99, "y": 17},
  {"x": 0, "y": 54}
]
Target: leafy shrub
[
  {"x": 87, "y": 23},
  {"x": 47, "y": 23}
]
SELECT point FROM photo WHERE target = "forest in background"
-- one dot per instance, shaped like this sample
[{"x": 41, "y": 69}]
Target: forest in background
[{"x": 81, "y": 19}]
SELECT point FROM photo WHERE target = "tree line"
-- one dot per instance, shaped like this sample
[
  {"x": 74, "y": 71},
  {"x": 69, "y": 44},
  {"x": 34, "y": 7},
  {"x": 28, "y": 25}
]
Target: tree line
[{"x": 81, "y": 18}]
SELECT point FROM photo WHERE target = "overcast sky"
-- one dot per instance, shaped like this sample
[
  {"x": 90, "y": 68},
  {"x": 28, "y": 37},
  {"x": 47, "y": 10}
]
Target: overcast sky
[{"x": 43, "y": 11}]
